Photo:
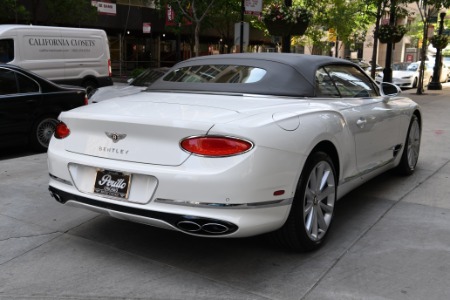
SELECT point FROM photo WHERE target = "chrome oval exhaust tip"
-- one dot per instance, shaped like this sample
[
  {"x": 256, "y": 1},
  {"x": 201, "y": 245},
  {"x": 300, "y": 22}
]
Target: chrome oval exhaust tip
[
  {"x": 215, "y": 228},
  {"x": 189, "y": 226}
]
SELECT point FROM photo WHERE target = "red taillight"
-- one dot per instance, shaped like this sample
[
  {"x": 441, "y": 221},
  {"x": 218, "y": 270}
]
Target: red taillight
[
  {"x": 86, "y": 100},
  {"x": 109, "y": 68},
  {"x": 61, "y": 131},
  {"x": 215, "y": 146}
]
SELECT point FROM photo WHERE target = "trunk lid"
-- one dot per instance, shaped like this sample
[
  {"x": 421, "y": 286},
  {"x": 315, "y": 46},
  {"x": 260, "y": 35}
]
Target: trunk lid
[{"x": 148, "y": 127}]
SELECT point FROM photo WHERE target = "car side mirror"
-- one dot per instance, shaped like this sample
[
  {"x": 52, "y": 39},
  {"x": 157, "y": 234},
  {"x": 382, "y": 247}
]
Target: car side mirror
[{"x": 388, "y": 89}]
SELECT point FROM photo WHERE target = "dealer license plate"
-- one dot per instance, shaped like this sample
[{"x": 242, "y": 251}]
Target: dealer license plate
[{"x": 112, "y": 183}]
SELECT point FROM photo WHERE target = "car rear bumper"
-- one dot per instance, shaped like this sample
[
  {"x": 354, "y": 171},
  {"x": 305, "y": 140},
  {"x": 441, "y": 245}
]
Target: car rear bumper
[{"x": 208, "y": 222}]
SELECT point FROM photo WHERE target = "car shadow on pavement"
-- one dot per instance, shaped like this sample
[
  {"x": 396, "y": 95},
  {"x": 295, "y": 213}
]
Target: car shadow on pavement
[
  {"x": 15, "y": 152},
  {"x": 355, "y": 214}
]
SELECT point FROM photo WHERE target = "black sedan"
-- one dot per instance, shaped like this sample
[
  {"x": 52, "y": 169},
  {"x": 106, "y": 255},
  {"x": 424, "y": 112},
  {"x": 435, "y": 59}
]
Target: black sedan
[{"x": 30, "y": 105}]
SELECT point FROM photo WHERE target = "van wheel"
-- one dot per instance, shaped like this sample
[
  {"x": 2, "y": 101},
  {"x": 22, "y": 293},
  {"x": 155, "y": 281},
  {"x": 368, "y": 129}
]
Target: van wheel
[
  {"x": 90, "y": 86},
  {"x": 42, "y": 132}
]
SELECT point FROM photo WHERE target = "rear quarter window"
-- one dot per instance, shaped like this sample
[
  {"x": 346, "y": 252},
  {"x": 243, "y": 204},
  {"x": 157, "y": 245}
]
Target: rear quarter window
[{"x": 216, "y": 74}]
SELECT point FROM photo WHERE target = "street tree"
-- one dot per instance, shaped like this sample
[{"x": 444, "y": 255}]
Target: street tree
[
  {"x": 337, "y": 20},
  {"x": 12, "y": 12},
  {"x": 222, "y": 19},
  {"x": 349, "y": 22},
  {"x": 195, "y": 11},
  {"x": 384, "y": 7},
  {"x": 70, "y": 12},
  {"x": 427, "y": 9}
]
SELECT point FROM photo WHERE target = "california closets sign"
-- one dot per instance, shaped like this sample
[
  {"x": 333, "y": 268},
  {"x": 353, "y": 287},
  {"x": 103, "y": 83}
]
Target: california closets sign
[
  {"x": 42, "y": 41},
  {"x": 105, "y": 7},
  {"x": 45, "y": 47}
]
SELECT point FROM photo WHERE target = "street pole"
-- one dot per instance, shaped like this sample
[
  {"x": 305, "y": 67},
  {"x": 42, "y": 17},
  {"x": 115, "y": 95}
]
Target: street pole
[
  {"x": 435, "y": 83},
  {"x": 286, "y": 39},
  {"x": 387, "y": 72},
  {"x": 241, "y": 42}
]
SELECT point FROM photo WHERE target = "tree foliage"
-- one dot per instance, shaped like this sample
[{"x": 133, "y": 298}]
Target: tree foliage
[
  {"x": 12, "y": 12},
  {"x": 70, "y": 11},
  {"x": 347, "y": 22},
  {"x": 195, "y": 11},
  {"x": 222, "y": 19}
]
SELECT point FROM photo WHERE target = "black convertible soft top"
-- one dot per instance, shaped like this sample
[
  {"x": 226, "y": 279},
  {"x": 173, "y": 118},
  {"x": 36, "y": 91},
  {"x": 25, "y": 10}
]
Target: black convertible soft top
[{"x": 287, "y": 74}]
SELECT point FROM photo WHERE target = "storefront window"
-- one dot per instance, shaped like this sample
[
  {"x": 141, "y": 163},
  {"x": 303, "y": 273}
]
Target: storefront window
[{"x": 141, "y": 3}]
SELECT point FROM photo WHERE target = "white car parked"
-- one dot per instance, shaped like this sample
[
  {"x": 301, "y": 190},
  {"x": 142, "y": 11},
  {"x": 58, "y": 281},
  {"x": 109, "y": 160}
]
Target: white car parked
[{"x": 406, "y": 74}]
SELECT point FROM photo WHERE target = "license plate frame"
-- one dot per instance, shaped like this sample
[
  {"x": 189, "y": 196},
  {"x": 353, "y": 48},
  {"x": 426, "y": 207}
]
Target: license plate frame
[{"x": 112, "y": 184}]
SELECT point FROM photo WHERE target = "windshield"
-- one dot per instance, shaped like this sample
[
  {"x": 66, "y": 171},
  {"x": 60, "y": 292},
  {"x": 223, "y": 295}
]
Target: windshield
[
  {"x": 404, "y": 67},
  {"x": 413, "y": 67}
]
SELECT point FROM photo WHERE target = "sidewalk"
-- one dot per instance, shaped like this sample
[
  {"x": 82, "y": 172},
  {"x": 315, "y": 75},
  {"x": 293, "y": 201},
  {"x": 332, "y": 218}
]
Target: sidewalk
[{"x": 413, "y": 92}]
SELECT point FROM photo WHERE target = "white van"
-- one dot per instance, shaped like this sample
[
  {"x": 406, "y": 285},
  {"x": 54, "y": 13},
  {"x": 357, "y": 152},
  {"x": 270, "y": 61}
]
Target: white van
[{"x": 73, "y": 56}]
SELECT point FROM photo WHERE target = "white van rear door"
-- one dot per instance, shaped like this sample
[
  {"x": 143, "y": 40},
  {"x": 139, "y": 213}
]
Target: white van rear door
[{"x": 87, "y": 54}]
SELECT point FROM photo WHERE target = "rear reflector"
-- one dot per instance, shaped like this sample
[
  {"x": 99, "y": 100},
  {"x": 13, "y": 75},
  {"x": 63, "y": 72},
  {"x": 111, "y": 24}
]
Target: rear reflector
[
  {"x": 61, "y": 131},
  {"x": 215, "y": 146}
]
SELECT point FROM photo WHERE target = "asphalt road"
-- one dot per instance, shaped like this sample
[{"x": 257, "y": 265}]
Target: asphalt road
[{"x": 390, "y": 240}]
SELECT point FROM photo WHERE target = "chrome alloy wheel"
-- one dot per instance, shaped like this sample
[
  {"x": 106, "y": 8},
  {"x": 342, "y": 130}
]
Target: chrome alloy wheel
[
  {"x": 413, "y": 144},
  {"x": 44, "y": 131},
  {"x": 319, "y": 200}
]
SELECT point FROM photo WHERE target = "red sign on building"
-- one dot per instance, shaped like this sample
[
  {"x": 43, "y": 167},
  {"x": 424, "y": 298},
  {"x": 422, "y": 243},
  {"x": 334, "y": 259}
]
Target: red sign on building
[
  {"x": 170, "y": 17},
  {"x": 146, "y": 27}
]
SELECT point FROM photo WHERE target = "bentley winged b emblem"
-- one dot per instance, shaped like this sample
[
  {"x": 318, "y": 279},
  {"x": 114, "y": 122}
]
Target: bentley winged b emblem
[{"x": 115, "y": 137}]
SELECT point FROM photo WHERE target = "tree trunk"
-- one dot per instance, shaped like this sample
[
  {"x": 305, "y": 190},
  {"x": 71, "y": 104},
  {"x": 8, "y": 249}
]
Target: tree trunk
[
  {"x": 420, "y": 89},
  {"x": 197, "y": 39},
  {"x": 286, "y": 39}
]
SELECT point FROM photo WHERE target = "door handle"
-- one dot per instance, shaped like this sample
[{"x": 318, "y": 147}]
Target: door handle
[{"x": 361, "y": 122}]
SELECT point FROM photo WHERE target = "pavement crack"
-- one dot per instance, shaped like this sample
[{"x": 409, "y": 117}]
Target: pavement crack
[
  {"x": 33, "y": 248},
  {"x": 28, "y": 236},
  {"x": 56, "y": 233},
  {"x": 81, "y": 224}
]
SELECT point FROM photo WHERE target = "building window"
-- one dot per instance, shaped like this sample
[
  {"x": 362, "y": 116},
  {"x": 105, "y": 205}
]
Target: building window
[{"x": 140, "y": 3}]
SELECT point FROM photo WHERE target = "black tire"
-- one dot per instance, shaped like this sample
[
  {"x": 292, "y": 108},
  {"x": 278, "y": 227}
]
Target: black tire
[
  {"x": 312, "y": 209},
  {"x": 411, "y": 149},
  {"x": 415, "y": 82},
  {"x": 41, "y": 133},
  {"x": 90, "y": 86}
]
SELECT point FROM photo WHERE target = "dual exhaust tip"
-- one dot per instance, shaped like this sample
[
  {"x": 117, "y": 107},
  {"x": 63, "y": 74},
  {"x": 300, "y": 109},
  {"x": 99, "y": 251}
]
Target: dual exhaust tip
[{"x": 203, "y": 226}]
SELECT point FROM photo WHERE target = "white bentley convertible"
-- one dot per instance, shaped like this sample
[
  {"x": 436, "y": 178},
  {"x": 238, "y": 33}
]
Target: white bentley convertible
[{"x": 236, "y": 145}]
